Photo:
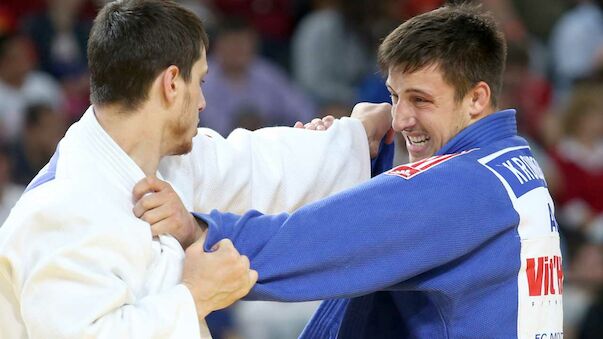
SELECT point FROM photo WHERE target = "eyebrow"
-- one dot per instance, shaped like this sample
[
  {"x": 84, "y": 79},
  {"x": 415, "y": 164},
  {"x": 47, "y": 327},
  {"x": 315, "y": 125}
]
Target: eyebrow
[
  {"x": 409, "y": 90},
  {"x": 417, "y": 90}
]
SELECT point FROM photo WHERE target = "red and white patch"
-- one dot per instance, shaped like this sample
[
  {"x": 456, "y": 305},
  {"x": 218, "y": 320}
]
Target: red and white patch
[{"x": 410, "y": 170}]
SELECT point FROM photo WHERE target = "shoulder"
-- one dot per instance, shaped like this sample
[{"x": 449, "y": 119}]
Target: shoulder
[
  {"x": 67, "y": 214},
  {"x": 445, "y": 165},
  {"x": 449, "y": 178},
  {"x": 64, "y": 198}
]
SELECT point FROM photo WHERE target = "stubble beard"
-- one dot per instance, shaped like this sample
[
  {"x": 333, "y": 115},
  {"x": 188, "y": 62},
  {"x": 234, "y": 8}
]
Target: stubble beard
[{"x": 181, "y": 128}]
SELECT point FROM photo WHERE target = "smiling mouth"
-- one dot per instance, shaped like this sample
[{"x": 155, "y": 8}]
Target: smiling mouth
[{"x": 417, "y": 140}]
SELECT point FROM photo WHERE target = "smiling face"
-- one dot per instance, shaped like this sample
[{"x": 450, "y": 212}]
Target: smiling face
[{"x": 424, "y": 110}]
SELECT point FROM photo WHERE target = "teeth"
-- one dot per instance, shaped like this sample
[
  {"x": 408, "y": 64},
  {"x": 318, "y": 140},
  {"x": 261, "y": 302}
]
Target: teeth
[{"x": 418, "y": 140}]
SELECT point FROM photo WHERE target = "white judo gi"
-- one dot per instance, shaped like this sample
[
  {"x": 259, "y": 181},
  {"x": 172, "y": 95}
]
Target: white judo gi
[{"x": 76, "y": 263}]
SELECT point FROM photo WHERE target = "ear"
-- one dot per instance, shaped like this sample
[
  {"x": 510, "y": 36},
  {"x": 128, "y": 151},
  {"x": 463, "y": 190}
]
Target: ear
[
  {"x": 479, "y": 99},
  {"x": 169, "y": 84}
]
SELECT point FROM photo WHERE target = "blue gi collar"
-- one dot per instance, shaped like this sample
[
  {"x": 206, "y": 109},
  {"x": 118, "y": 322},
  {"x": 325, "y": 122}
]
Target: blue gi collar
[{"x": 496, "y": 126}]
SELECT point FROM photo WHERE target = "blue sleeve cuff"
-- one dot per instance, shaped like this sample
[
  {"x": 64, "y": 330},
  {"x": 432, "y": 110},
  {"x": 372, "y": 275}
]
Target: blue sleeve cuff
[
  {"x": 214, "y": 234},
  {"x": 384, "y": 160}
]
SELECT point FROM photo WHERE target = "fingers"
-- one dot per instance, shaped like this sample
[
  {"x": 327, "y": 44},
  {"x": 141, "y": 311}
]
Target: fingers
[
  {"x": 245, "y": 262},
  {"x": 161, "y": 227},
  {"x": 248, "y": 283},
  {"x": 148, "y": 202},
  {"x": 148, "y": 185},
  {"x": 253, "y": 277},
  {"x": 328, "y": 121},
  {"x": 154, "y": 215},
  {"x": 226, "y": 245},
  {"x": 320, "y": 124},
  {"x": 312, "y": 125},
  {"x": 298, "y": 124},
  {"x": 197, "y": 246}
]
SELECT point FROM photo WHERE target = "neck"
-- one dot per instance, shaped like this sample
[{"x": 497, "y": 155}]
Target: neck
[{"x": 135, "y": 132}]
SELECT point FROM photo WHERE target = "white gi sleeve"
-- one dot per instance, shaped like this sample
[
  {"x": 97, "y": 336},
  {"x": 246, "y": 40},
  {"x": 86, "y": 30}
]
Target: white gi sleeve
[
  {"x": 277, "y": 169},
  {"x": 80, "y": 276}
]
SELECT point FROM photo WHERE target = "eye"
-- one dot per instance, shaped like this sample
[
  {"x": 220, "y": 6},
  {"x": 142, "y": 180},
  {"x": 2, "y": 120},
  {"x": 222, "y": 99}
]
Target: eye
[
  {"x": 393, "y": 97},
  {"x": 419, "y": 100}
]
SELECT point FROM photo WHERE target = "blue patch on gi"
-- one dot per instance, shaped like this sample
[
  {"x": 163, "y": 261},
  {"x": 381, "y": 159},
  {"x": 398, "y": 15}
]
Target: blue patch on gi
[
  {"x": 48, "y": 175},
  {"x": 520, "y": 170}
]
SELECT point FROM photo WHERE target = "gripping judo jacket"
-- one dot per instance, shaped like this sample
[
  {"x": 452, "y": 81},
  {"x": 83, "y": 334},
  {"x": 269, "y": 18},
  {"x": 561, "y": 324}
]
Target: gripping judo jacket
[
  {"x": 76, "y": 263},
  {"x": 460, "y": 245}
]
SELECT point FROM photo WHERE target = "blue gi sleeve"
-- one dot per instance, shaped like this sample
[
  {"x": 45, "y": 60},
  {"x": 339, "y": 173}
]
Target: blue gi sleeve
[
  {"x": 368, "y": 238},
  {"x": 384, "y": 160}
]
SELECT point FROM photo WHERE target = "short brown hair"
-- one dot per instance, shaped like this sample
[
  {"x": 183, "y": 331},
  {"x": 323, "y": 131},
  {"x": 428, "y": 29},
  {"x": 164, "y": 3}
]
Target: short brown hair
[
  {"x": 466, "y": 44},
  {"x": 132, "y": 41}
]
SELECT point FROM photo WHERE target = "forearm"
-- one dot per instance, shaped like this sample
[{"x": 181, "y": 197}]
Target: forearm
[
  {"x": 280, "y": 169},
  {"x": 393, "y": 228},
  {"x": 307, "y": 255}
]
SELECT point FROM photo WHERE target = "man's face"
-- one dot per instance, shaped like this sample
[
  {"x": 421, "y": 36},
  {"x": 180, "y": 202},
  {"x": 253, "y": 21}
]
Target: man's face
[
  {"x": 424, "y": 110},
  {"x": 184, "y": 126}
]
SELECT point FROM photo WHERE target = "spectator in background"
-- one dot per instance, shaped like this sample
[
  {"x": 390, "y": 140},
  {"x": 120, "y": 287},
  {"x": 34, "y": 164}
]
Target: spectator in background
[
  {"x": 21, "y": 85},
  {"x": 60, "y": 37},
  {"x": 246, "y": 90},
  {"x": 20, "y": 8},
  {"x": 44, "y": 127},
  {"x": 330, "y": 52},
  {"x": 583, "y": 282},
  {"x": 592, "y": 326},
  {"x": 527, "y": 90},
  {"x": 272, "y": 19},
  {"x": 8, "y": 20},
  {"x": 205, "y": 10},
  {"x": 9, "y": 192},
  {"x": 579, "y": 159},
  {"x": 577, "y": 45}
]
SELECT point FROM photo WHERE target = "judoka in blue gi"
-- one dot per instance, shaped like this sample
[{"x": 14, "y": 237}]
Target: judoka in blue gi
[
  {"x": 75, "y": 262},
  {"x": 460, "y": 243}
]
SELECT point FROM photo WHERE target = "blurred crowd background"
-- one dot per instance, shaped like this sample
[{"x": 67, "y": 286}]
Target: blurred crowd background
[{"x": 273, "y": 62}]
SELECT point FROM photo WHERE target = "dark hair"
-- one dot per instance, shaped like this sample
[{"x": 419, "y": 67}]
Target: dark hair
[
  {"x": 132, "y": 41},
  {"x": 466, "y": 45}
]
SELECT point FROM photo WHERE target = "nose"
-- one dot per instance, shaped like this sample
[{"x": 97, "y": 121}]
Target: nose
[
  {"x": 403, "y": 117},
  {"x": 201, "y": 103}
]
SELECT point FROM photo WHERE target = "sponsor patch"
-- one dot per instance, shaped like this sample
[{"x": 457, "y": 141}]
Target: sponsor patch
[{"x": 408, "y": 171}]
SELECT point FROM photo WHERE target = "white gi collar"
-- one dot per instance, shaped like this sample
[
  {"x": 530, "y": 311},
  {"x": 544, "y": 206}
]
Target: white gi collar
[{"x": 109, "y": 152}]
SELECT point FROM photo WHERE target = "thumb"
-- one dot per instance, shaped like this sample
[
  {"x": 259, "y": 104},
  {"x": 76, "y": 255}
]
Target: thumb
[
  {"x": 224, "y": 244},
  {"x": 253, "y": 277},
  {"x": 197, "y": 246}
]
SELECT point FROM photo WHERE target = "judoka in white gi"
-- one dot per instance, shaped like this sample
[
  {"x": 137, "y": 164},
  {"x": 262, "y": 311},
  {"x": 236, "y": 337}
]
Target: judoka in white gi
[{"x": 75, "y": 262}]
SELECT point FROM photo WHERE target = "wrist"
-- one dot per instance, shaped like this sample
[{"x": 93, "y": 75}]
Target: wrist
[
  {"x": 200, "y": 307},
  {"x": 197, "y": 231}
]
